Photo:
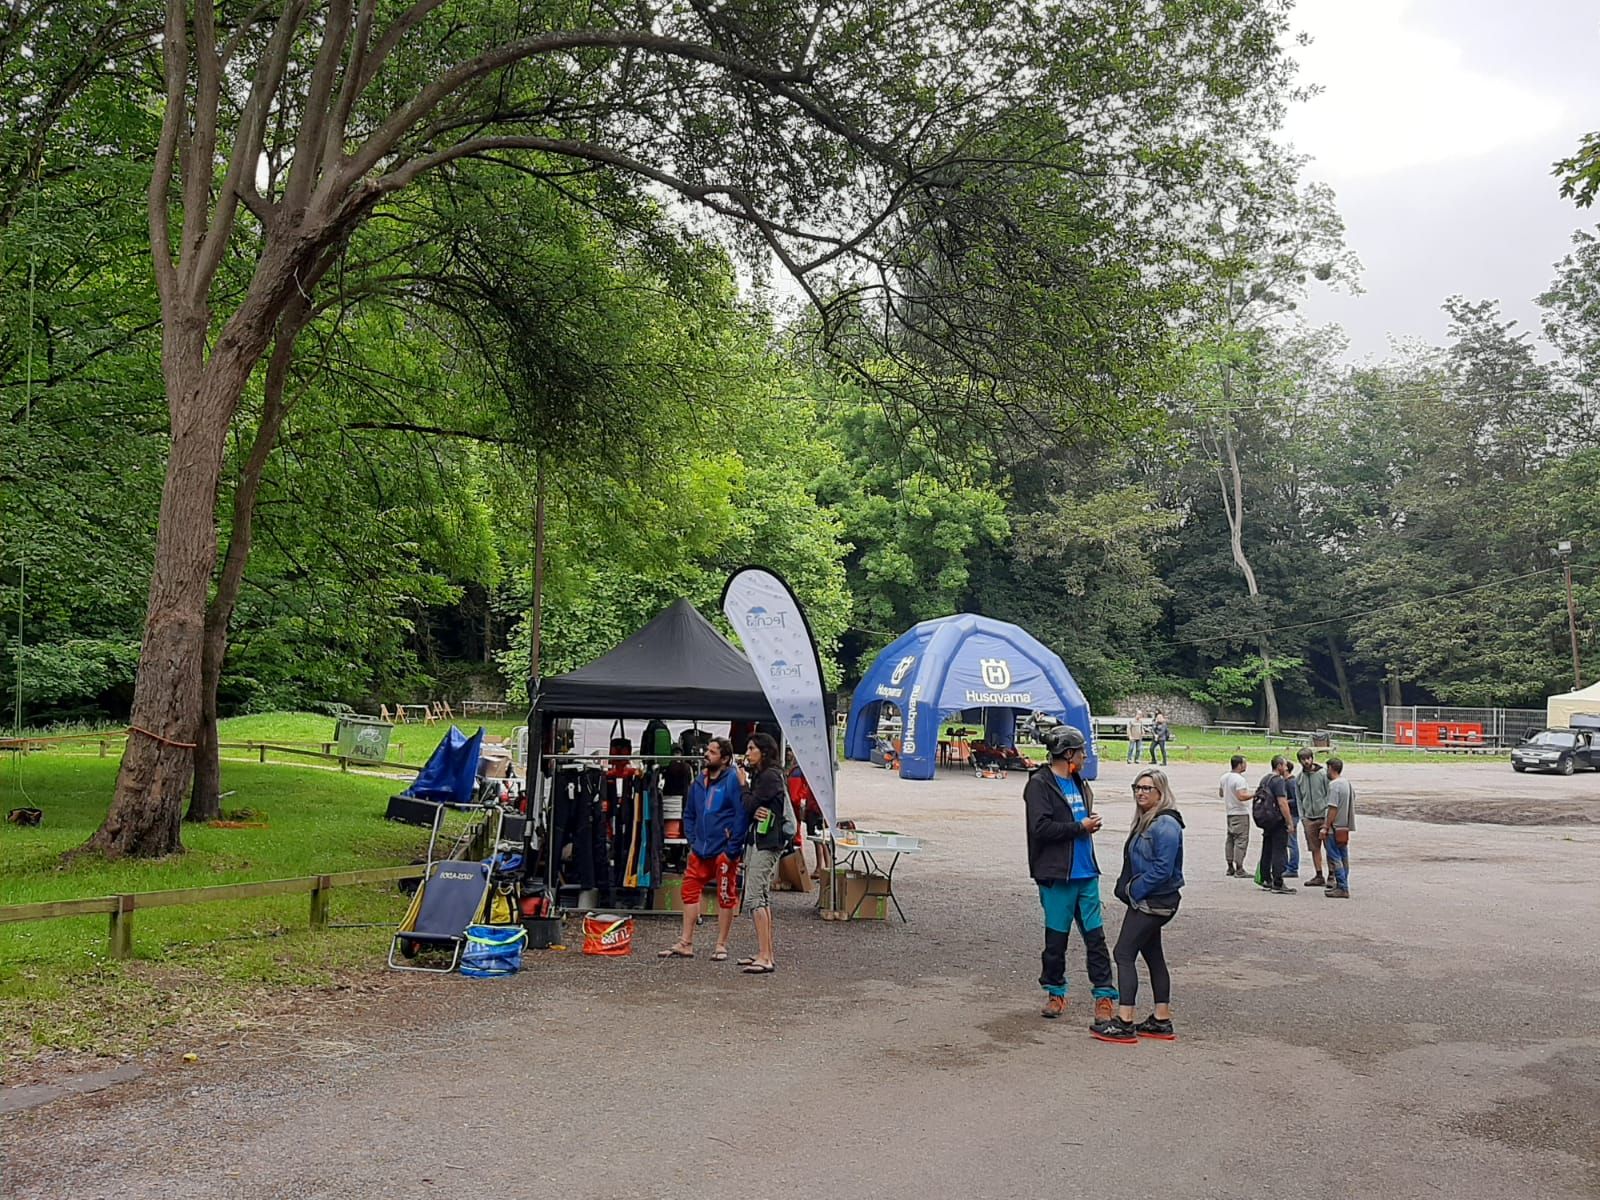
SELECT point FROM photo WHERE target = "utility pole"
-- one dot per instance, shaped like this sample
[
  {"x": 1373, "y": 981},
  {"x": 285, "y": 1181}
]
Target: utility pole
[
  {"x": 1564, "y": 549},
  {"x": 534, "y": 666}
]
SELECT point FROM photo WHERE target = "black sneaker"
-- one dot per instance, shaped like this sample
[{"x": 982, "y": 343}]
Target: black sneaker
[
  {"x": 1153, "y": 1027},
  {"x": 1291, "y": 874},
  {"x": 1282, "y": 890},
  {"x": 1231, "y": 871},
  {"x": 1115, "y": 1030}
]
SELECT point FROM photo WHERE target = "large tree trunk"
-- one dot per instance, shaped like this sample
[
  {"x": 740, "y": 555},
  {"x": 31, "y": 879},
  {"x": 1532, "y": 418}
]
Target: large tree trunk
[
  {"x": 1233, "y": 506},
  {"x": 1269, "y": 692},
  {"x": 156, "y": 766},
  {"x": 205, "y": 803},
  {"x": 1347, "y": 701},
  {"x": 158, "y": 763}
]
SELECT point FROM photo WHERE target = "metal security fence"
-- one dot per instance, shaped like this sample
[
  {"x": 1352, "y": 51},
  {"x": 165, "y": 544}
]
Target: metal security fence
[{"x": 1453, "y": 728}]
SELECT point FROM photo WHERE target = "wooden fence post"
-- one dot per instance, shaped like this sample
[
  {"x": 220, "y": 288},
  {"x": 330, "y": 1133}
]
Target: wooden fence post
[
  {"x": 102, "y": 747},
  {"x": 263, "y": 752},
  {"x": 319, "y": 902},
  {"x": 122, "y": 928}
]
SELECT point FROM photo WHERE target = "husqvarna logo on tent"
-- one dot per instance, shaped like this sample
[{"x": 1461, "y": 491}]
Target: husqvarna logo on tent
[
  {"x": 760, "y": 618},
  {"x": 996, "y": 672},
  {"x": 901, "y": 668}
]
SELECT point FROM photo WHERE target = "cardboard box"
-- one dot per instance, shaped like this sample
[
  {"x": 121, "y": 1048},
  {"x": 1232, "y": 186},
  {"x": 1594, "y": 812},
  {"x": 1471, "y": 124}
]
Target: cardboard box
[
  {"x": 792, "y": 874},
  {"x": 867, "y": 894},
  {"x": 669, "y": 898}
]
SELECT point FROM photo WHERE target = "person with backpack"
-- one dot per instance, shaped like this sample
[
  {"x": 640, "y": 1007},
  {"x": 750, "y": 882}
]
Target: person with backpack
[
  {"x": 1270, "y": 811},
  {"x": 1341, "y": 819},
  {"x": 772, "y": 826},
  {"x": 1150, "y": 884},
  {"x": 1061, "y": 827}
]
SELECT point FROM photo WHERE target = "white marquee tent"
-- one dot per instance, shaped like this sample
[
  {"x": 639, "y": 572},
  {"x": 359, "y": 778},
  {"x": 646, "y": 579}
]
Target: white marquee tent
[{"x": 1559, "y": 710}]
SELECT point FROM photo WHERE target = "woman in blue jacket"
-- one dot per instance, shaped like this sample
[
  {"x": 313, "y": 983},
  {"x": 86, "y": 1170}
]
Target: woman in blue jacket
[{"x": 1150, "y": 885}]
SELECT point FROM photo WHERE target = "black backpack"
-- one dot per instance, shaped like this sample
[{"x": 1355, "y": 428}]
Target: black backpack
[{"x": 1264, "y": 808}]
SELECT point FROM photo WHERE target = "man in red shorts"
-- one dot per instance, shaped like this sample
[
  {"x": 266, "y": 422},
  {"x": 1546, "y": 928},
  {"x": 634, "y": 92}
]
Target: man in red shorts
[{"x": 714, "y": 822}]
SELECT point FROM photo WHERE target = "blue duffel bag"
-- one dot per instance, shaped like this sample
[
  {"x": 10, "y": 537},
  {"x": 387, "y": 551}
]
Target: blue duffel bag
[{"x": 493, "y": 950}]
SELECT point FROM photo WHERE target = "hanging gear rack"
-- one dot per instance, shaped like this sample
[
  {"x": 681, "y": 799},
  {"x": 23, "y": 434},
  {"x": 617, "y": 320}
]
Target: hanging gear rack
[{"x": 647, "y": 843}]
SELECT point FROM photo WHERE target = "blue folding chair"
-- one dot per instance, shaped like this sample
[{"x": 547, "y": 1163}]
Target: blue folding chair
[{"x": 451, "y": 897}]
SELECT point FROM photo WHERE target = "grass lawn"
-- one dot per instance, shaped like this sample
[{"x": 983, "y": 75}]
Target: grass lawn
[{"x": 58, "y": 988}]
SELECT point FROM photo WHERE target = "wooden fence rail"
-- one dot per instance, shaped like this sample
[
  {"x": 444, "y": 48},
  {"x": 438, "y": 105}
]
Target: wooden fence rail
[{"x": 122, "y": 907}]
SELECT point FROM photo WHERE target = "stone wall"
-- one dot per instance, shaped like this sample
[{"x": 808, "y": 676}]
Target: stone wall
[{"x": 1180, "y": 710}]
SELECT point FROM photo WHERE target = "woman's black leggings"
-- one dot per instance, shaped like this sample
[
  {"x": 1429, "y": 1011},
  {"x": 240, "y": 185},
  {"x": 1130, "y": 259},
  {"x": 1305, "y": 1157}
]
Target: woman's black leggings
[{"x": 1141, "y": 934}]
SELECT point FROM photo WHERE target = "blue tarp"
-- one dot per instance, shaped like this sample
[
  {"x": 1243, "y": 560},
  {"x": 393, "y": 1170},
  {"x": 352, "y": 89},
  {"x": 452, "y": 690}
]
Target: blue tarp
[
  {"x": 961, "y": 664},
  {"x": 451, "y": 774}
]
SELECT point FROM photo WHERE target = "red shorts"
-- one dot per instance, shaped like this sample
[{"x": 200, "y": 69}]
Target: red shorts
[{"x": 698, "y": 873}]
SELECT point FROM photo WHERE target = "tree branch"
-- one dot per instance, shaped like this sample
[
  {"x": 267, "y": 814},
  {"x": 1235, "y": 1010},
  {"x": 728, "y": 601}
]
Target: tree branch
[
  {"x": 383, "y": 141},
  {"x": 175, "y": 64},
  {"x": 315, "y": 117}
]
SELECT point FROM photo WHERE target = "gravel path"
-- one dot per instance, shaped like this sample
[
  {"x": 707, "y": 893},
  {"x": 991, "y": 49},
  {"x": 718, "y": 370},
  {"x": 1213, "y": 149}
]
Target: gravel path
[{"x": 1435, "y": 1036}]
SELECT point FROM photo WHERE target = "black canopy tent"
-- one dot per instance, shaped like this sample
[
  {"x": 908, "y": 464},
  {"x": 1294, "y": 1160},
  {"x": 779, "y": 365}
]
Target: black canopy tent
[{"x": 676, "y": 666}]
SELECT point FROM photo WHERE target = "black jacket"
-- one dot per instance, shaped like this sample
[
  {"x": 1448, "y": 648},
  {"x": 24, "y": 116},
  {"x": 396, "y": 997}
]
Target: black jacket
[
  {"x": 767, "y": 790},
  {"x": 1052, "y": 829}
]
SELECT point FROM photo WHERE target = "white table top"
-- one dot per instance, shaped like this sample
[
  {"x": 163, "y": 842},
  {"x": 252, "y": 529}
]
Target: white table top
[{"x": 875, "y": 843}]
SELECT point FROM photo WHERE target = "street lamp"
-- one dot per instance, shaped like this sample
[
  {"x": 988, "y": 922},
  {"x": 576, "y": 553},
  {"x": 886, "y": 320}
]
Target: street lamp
[{"x": 1564, "y": 551}]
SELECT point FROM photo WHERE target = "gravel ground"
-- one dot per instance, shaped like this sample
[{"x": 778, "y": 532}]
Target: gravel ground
[{"x": 1434, "y": 1036}]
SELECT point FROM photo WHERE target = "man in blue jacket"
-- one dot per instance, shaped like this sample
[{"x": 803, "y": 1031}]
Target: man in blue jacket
[
  {"x": 1061, "y": 827},
  {"x": 715, "y": 824}
]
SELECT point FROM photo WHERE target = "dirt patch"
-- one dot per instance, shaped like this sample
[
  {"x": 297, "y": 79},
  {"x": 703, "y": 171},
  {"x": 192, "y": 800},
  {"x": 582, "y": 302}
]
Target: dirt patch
[
  {"x": 1565, "y": 1118},
  {"x": 1487, "y": 812}
]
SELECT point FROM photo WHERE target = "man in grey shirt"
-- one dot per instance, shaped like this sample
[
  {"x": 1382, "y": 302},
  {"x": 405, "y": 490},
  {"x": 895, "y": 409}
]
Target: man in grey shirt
[
  {"x": 1338, "y": 823},
  {"x": 1313, "y": 789}
]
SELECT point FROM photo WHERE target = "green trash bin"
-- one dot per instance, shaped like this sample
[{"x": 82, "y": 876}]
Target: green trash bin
[{"x": 362, "y": 739}]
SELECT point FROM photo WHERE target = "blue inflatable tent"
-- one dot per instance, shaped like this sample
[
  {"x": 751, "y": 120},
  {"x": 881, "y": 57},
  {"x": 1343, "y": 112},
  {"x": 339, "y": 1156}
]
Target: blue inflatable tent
[{"x": 956, "y": 664}]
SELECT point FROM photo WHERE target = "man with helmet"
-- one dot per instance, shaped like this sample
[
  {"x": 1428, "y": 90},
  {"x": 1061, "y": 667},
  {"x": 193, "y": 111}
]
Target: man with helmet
[{"x": 1061, "y": 827}]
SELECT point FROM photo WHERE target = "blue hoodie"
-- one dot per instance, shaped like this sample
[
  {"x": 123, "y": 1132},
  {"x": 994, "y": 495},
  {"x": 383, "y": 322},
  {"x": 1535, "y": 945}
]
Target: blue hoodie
[
  {"x": 714, "y": 820},
  {"x": 1152, "y": 865}
]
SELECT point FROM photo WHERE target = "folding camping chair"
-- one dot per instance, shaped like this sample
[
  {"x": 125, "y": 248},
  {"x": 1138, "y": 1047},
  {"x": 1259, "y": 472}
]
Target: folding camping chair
[{"x": 452, "y": 896}]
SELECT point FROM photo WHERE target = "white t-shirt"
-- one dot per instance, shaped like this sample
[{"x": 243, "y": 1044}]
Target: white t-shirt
[{"x": 1231, "y": 804}]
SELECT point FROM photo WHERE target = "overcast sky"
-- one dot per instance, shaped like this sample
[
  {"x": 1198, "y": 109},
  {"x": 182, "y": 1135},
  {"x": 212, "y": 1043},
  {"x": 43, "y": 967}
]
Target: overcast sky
[{"x": 1437, "y": 127}]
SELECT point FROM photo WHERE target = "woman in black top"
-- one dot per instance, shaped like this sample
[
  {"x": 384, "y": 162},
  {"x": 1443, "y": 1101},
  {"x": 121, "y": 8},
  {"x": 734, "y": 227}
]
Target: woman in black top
[{"x": 765, "y": 799}]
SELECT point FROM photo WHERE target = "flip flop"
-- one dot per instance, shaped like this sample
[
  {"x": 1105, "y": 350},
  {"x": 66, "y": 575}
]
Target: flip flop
[
  {"x": 758, "y": 969},
  {"x": 747, "y": 962},
  {"x": 719, "y": 955},
  {"x": 675, "y": 952}
]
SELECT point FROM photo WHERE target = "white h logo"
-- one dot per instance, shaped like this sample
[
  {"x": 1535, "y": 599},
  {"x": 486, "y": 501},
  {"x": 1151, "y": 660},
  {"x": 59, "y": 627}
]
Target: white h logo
[{"x": 996, "y": 672}]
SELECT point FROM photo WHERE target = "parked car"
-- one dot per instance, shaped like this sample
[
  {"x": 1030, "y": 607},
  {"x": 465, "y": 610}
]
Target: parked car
[{"x": 1560, "y": 750}]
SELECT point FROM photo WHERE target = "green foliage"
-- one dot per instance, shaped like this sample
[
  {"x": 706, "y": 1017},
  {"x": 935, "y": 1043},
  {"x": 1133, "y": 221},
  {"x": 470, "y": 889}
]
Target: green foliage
[
  {"x": 1237, "y": 685},
  {"x": 1580, "y": 174}
]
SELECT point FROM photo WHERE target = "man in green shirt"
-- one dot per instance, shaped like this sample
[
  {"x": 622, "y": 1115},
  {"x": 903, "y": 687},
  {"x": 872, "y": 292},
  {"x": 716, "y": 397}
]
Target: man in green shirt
[{"x": 1312, "y": 785}]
